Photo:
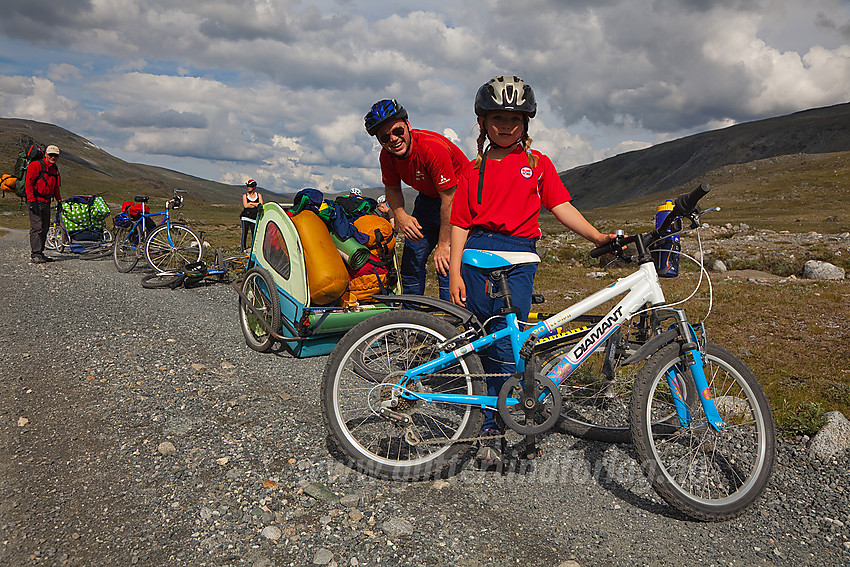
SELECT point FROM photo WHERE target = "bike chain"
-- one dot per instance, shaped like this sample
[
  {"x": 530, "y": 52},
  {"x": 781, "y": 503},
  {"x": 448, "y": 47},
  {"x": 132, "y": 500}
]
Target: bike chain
[{"x": 463, "y": 439}]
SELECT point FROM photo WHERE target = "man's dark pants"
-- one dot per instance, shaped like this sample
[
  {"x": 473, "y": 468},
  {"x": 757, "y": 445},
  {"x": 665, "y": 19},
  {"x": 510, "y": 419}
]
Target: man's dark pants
[
  {"x": 414, "y": 258},
  {"x": 39, "y": 224}
]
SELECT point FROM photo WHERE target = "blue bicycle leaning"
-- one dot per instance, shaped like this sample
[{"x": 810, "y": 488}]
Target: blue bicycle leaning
[
  {"x": 403, "y": 393},
  {"x": 166, "y": 246}
]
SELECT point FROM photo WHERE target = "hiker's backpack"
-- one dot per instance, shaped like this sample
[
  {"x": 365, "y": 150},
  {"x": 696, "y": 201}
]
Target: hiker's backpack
[{"x": 31, "y": 153}]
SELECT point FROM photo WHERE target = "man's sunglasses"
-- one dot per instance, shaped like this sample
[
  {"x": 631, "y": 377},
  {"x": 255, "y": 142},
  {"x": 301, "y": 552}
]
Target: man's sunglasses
[{"x": 398, "y": 132}]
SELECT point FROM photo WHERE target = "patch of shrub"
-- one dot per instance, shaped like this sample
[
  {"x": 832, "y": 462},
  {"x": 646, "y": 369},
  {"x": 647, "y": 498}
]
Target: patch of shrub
[{"x": 801, "y": 418}]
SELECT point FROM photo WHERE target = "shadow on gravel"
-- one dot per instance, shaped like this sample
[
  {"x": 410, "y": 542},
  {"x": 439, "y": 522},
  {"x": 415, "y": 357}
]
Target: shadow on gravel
[
  {"x": 619, "y": 478},
  {"x": 612, "y": 468},
  {"x": 342, "y": 460}
]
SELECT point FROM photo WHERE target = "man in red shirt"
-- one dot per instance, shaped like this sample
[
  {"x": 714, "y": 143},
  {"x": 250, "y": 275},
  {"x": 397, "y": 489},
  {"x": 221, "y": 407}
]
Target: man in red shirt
[
  {"x": 429, "y": 163},
  {"x": 42, "y": 185}
]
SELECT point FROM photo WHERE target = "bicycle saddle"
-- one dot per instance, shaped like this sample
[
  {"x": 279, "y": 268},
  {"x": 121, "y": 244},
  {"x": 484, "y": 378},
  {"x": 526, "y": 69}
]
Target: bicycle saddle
[
  {"x": 488, "y": 260},
  {"x": 141, "y": 198}
]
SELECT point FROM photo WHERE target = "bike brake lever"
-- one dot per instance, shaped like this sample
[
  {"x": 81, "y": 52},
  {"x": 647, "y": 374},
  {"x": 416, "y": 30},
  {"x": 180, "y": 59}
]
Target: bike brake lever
[{"x": 697, "y": 214}]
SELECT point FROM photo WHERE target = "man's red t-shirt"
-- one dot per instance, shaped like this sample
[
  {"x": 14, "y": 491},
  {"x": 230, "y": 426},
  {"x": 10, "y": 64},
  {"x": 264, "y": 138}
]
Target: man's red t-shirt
[
  {"x": 432, "y": 164},
  {"x": 510, "y": 196}
]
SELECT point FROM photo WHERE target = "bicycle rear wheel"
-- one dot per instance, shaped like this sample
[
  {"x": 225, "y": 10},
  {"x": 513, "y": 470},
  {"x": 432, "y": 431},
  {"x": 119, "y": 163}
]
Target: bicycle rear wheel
[
  {"x": 53, "y": 241},
  {"x": 125, "y": 250},
  {"x": 596, "y": 395},
  {"x": 166, "y": 254},
  {"x": 162, "y": 280},
  {"x": 707, "y": 474},
  {"x": 383, "y": 430}
]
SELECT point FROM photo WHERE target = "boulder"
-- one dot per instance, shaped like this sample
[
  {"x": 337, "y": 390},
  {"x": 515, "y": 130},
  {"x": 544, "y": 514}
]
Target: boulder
[
  {"x": 832, "y": 438},
  {"x": 819, "y": 270}
]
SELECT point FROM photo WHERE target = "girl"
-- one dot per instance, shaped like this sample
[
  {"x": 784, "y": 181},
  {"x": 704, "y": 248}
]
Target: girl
[
  {"x": 251, "y": 203},
  {"x": 496, "y": 207}
]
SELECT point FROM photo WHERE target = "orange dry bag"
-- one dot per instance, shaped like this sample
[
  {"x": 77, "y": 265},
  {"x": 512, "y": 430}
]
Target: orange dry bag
[
  {"x": 327, "y": 277},
  {"x": 8, "y": 183},
  {"x": 380, "y": 233}
]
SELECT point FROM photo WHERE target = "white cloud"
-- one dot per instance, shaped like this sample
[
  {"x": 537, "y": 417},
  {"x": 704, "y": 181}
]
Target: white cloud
[
  {"x": 63, "y": 72},
  {"x": 36, "y": 98},
  {"x": 276, "y": 90}
]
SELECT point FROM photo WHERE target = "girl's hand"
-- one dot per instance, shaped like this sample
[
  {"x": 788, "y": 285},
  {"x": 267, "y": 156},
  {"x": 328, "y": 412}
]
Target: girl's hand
[
  {"x": 601, "y": 239},
  {"x": 457, "y": 289}
]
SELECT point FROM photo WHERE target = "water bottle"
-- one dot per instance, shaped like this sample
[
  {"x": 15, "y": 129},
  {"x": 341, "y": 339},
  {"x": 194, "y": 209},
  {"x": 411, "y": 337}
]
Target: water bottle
[{"x": 666, "y": 251}]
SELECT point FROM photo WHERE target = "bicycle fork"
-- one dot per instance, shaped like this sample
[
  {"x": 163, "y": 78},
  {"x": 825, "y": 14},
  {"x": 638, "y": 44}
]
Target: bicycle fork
[{"x": 692, "y": 357}]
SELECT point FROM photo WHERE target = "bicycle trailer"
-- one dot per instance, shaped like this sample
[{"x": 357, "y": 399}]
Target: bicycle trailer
[
  {"x": 83, "y": 219},
  {"x": 302, "y": 289}
]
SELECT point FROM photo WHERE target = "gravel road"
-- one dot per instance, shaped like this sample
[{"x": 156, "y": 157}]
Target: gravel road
[{"x": 138, "y": 429}]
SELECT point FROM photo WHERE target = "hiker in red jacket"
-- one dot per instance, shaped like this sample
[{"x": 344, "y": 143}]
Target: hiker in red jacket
[{"x": 42, "y": 185}]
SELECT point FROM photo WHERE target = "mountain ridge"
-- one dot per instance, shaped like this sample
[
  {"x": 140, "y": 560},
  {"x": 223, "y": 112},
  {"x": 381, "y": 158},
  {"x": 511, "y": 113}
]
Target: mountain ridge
[
  {"x": 682, "y": 161},
  {"x": 86, "y": 168}
]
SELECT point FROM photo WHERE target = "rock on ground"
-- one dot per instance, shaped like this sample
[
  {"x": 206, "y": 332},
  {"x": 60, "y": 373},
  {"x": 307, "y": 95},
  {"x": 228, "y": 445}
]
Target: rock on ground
[
  {"x": 832, "y": 438},
  {"x": 818, "y": 270}
]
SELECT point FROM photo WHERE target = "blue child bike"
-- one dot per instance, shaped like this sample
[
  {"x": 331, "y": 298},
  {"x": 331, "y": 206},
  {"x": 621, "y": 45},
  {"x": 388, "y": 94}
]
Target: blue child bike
[{"x": 403, "y": 393}]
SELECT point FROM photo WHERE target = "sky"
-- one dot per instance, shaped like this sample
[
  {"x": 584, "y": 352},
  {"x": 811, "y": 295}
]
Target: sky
[{"x": 276, "y": 90}]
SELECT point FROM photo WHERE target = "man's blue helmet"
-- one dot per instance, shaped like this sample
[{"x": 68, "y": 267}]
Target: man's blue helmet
[{"x": 381, "y": 112}]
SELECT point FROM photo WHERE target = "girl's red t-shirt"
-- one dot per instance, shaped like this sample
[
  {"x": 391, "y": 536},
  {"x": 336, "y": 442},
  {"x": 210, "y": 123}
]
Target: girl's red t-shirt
[{"x": 511, "y": 196}]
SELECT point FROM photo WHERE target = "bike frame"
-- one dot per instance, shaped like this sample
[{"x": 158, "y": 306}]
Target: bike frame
[
  {"x": 140, "y": 227},
  {"x": 640, "y": 288},
  {"x": 141, "y": 230}
]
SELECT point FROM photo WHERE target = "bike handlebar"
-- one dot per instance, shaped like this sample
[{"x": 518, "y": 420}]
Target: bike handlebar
[
  {"x": 609, "y": 248},
  {"x": 684, "y": 205},
  {"x": 687, "y": 204}
]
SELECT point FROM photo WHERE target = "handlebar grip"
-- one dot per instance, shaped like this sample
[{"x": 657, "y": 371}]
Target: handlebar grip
[
  {"x": 602, "y": 250},
  {"x": 688, "y": 203}
]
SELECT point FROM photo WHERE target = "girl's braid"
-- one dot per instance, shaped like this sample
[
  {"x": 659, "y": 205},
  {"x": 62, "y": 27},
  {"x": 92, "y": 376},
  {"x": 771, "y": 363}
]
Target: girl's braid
[
  {"x": 526, "y": 145},
  {"x": 482, "y": 137}
]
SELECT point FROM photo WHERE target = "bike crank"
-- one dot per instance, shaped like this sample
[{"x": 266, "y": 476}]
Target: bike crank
[{"x": 538, "y": 404}]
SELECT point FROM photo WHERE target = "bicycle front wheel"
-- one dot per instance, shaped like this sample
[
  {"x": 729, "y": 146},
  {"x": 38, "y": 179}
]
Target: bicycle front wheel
[
  {"x": 53, "y": 241},
  {"x": 707, "y": 474},
  {"x": 125, "y": 250},
  {"x": 170, "y": 247},
  {"x": 375, "y": 417},
  {"x": 162, "y": 280}
]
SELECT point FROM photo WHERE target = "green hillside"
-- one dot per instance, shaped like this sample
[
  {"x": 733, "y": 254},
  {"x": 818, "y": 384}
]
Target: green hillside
[
  {"x": 665, "y": 166},
  {"x": 86, "y": 169}
]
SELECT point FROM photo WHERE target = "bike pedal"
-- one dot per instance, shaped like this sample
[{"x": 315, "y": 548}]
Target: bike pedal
[{"x": 532, "y": 454}]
